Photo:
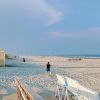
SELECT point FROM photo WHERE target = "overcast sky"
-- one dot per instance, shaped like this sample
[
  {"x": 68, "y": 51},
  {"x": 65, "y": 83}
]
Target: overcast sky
[{"x": 50, "y": 27}]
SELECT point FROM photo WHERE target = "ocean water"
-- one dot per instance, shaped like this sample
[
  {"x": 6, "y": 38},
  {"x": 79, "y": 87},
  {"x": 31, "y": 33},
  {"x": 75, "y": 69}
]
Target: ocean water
[{"x": 81, "y": 56}]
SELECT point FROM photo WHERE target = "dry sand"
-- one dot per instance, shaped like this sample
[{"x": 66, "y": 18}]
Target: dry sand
[
  {"x": 10, "y": 97},
  {"x": 87, "y": 71}
]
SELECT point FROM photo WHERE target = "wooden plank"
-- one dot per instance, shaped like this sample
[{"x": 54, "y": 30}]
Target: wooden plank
[{"x": 24, "y": 93}]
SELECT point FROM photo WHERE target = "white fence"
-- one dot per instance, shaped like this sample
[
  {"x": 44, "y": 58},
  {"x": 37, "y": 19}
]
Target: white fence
[
  {"x": 82, "y": 90},
  {"x": 76, "y": 88}
]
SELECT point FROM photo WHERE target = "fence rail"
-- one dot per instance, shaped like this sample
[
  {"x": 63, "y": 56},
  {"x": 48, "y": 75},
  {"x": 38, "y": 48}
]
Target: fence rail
[{"x": 22, "y": 92}]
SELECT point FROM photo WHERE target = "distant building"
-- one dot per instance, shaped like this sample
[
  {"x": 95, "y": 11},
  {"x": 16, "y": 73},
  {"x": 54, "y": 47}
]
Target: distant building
[{"x": 2, "y": 58}]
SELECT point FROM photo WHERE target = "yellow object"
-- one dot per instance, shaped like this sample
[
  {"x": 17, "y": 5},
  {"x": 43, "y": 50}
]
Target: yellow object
[{"x": 2, "y": 58}]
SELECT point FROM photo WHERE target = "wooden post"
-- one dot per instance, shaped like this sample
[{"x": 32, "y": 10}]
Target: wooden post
[{"x": 22, "y": 92}]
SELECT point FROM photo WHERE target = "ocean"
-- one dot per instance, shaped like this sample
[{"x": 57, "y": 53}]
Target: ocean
[{"x": 80, "y": 56}]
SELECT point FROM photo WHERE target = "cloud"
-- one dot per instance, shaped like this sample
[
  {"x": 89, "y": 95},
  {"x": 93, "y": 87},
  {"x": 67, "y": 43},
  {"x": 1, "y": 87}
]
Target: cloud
[
  {"x": 65, "y": 35},
  {"x": 41, "y": 9},
  {"x": 92, "y": 32},
  {"x": 52, "y": 14}
]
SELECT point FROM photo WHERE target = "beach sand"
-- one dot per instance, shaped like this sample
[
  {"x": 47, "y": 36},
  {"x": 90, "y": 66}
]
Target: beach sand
[
  {"x": 86, "y": 71},
  {"x": 10, "y": 97}
]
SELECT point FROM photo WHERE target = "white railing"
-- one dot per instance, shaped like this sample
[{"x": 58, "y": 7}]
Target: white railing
[{"x": 76, "y": 88}]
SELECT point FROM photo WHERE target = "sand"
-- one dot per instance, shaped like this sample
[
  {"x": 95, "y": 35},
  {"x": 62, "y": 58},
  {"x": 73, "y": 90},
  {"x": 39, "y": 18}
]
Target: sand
[
  {"x": 86, "y": 71},
  {"x": 10, "y": 97}
]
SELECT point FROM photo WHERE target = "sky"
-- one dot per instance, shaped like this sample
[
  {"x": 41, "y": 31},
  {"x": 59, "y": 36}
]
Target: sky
[{"x": 50, "y": 27}]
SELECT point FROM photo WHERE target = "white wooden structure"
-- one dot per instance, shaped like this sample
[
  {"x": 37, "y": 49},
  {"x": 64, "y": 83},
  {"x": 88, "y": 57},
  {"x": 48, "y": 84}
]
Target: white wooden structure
[
  {"x": 73, "y": 90},
  {"x": 82, "y": 91}
]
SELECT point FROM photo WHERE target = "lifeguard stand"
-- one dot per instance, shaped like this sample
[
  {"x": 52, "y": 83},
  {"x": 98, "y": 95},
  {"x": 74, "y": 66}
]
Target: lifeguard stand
[{"x": 2, "y": 58}]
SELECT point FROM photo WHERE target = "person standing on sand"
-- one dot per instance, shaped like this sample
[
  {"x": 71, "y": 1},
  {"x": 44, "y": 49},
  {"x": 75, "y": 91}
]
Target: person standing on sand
[
  {"x": 48, "y": 67},
  {"x": 23, "y": 59}
]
